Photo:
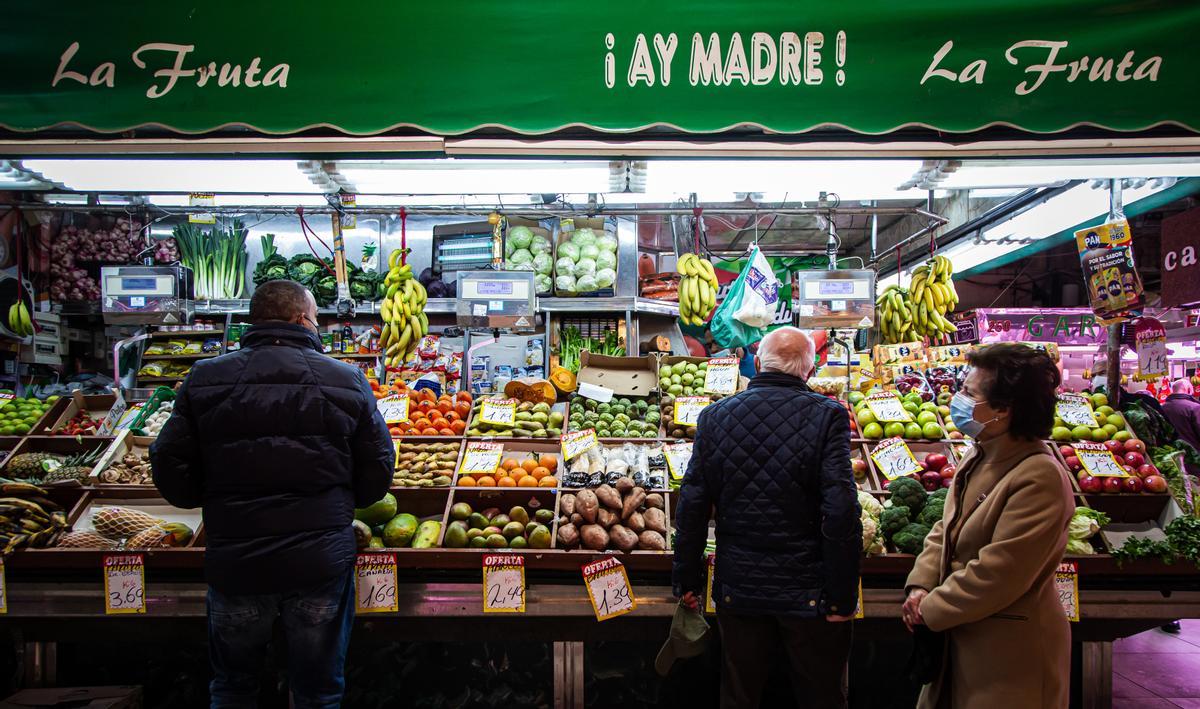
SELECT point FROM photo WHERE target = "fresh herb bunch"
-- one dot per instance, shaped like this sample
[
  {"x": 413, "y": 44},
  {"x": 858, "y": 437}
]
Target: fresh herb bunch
[{"x": 1182, "y": 542}]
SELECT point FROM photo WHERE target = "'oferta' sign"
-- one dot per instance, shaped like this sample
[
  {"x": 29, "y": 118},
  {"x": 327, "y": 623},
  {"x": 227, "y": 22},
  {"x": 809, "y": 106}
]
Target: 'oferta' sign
[{"x": 700, "y": 66}]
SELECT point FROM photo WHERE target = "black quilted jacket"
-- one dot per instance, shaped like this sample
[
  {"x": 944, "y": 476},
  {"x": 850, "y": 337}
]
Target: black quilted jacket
[
  {"x": 774, "y": 461},
  {"x": 279, "y": 444}
]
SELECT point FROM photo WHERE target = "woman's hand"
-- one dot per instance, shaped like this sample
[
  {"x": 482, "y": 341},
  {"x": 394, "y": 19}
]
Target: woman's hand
[{"x": 911, "y": 610}]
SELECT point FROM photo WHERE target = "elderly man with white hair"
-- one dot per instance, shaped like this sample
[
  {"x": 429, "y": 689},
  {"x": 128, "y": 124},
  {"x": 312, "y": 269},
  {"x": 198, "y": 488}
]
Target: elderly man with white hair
[
  {"x": 772, "y": 464},
  {"x": 1183, "y": 411}
]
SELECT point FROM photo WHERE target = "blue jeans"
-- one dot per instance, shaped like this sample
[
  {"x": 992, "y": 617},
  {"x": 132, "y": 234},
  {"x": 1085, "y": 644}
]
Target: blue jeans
[{"x": 316, "y": 622}]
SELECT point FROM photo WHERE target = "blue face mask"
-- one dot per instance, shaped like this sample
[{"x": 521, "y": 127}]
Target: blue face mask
[{"x": 962, "y": 413}]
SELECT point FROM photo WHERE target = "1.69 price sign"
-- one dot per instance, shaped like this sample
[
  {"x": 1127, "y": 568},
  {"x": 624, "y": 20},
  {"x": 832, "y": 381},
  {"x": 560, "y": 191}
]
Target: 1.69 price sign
[
  {"x": 375, "y": 583},
  {"x": 608, "y": 588}
]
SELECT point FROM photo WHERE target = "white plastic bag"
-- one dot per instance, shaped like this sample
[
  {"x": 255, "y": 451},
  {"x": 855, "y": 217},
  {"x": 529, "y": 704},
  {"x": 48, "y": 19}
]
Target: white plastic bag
[{"x": 760, "y": 293}]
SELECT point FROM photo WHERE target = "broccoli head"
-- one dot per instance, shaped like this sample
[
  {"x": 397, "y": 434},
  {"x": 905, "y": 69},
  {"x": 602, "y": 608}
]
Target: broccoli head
[
  {"x": 911, "y": 539},
  {"x": 933, "y": 510},
  {"x": 909, "y": 493},
  {"x": 941, "y": 493},
  {"x": 893, "y": 520}
]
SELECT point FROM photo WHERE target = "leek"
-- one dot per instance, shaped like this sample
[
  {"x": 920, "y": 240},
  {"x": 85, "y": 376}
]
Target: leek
[{"x": 217, "y": 258}]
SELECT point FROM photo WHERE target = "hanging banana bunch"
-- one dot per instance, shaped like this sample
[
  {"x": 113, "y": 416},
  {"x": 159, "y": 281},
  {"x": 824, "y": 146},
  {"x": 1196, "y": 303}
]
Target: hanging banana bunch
[
  {"x": 697, "y": 289},
  {"x": 908, "y": 315},
  {"x": 19, "y": 321},
  {"x": 403, "y": 310}
]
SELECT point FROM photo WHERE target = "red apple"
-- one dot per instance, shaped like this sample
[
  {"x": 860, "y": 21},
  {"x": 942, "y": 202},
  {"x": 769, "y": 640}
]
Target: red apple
[
  {"x": 946, "y": 482},
  {"x": 1066, "y": 451},
  {"x": 1073, "y": 463},
  {"x": 932, "y": 480},
  {"x": 935, "y": 461},
  {"x": 1116, "y": 447},
  {"x": 1129, "y": 469},
  {"x": 1145, "y": 471},
  {"x": 1081, "y": 475},
  {"x": 1111, "y": 485},
  {"x": 1091, "y": 484},
  {"x": 1135, "y": 446},
  {"x": 1134, "y": 459},
  {"x": 1131, "y": 485},
  {"x": 1154, "y": 483},
  {"x": 948, "y": 471},
  {"x": 859, "y": 466}
]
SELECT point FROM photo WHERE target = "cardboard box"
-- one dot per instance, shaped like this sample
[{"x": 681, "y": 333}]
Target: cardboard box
[
  {"x": 624, "y": 376},
  {"x": 77, "y": 698}
]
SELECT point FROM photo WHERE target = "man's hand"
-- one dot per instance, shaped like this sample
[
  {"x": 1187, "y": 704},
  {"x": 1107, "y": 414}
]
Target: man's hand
[
  {"x": 911, "y": 610},
  {"x": 838, "y": 618},
  {"x": 690, "y": 601}
]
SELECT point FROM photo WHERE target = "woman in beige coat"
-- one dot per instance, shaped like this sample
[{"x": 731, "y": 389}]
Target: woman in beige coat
[{"x": 986, "y": 575}]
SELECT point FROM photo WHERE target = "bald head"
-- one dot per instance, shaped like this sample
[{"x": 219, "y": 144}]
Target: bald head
[
  {"x": 788, "y": 350},
  {"x": 1181, "y": 386}
]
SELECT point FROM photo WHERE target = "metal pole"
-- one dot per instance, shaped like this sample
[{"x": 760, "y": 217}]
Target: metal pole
[
  {"x": 874, "y": 231},
  {"x": 1114, "y": 366}
]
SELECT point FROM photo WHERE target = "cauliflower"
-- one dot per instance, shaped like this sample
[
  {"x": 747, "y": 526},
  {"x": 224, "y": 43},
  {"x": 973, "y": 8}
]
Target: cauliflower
[
  {"x": 869, "y": 504},
  {"x": 870, "y": 530}
]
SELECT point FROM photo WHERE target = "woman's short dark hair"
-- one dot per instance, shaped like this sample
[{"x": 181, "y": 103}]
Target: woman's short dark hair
[
  {"x": 1024, "y": 381},
  {"x": 278, "y": 300}
]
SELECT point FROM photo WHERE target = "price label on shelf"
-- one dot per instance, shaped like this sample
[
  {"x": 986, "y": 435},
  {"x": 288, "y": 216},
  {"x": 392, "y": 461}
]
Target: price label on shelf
[
  {"x": 1075, "y": 410},
  {"x": 500, "y": 412},
  {"x": 503, "y": 583},
  {"x": 394, "y": 408},
  {"x": 721, "y": 375},
  {"x": 349, "y": 221},
  {"x": 578, "y": 442},
  {"x": 859, "y": 613},
  {"x": 1098, "y": 460},
  {"x": 887, "y": 407},
  {"x": 202, "y": 199},
  {"x": 894, "y": 459},
  {"x": 109, "y": 424},
  {"x": 608, "y": 588},
  {"x": 375, "y": 583},
  {"x": 1066, "y": 583},
  {"x": 5, "y": 399},
  {"x": 710, "y": 603},
  {"x": 678, "y": 455},
  {"x": 688, "y": 408},
  {"x": 124, "y": 584},
  {"x": 481, "y": 458},
  {"x": 130, "y": 414}
]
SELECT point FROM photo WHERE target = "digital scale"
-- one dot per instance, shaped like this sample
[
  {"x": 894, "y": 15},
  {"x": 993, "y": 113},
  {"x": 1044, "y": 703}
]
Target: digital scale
[
  {"x": 840, "y": 299},
  {"x": 497, "y": 300},
  {"x": 146, "y": 295}
]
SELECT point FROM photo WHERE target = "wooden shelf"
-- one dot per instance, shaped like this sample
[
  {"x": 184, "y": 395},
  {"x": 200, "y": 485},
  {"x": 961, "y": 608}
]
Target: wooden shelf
[
  {"x": 356, "y": 355},
  {"x": 158, "y": 380},
  {"x": 187, "y": 333},
  {"x": 201, "y": 355}
]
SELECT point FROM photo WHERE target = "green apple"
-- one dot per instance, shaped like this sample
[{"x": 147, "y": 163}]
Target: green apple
[
  {"x": 933, "y": 431},
  {"x": 1122, "y": 436},
  {"x": 926, "y": 417},
  {"x": 1104, "y": 410},
  {"x": 911, "y": 408},
  {"x": 1116, "y": 421},
  {"x": 1100, "y": 435},
  {"x": 913, "y": 431},
  {"x": 1081, "y": 433},
  {"x": 872, "y": 430},
  {"x": 1099, "y": 400},
  {"x": 893, "y": 429},
  {"x": 864, "y": 417}
]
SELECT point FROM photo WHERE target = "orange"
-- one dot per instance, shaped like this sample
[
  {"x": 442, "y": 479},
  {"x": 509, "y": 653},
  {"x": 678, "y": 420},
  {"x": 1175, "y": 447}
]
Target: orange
[
  {"x": 548, "y": 461},
  {"x": 548, "y": 481},
  {"x": 428, "y": 395},
  {"x": 463, "y": 396},
  {"x": 466, "y": 481},
  {"x": 529, "y": 464},
  {"x": 486, "y": 481},
  {"x": 445, "y": 432},
  {"x": 463, "y": 409},
  {"x": 506, "y": 482},
  {"x": 527, "y": 481},
  {"x": 429, "y": 431},
  {"x": 445, "y": 406},
  {"x": 518, "y": 474},
  {"x": 458, "y": 427},
  {"x": 510, "y": 464},
  {"x": 539, "y": 473}
]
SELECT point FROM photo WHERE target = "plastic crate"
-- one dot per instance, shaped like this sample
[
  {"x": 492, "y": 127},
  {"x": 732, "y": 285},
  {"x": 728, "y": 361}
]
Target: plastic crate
[{"x": 156, "y": 400}]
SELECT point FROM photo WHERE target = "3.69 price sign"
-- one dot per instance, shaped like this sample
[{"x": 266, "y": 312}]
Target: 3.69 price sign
[{"x": 124, "y": 584}]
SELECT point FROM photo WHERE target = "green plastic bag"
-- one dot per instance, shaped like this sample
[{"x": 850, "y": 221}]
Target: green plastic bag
[{"x": 727, "y": 331}]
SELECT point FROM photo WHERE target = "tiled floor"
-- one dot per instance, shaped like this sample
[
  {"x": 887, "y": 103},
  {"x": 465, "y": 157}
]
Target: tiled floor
[{"x": 1155, "y": 669}]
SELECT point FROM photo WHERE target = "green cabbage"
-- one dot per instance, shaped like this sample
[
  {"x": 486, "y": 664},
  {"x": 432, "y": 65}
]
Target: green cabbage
[
  {"x": 588, "y": 251},
  {"x": 565, "y": 266},
  {"x": 607, "y": 242},
  {"x": 1079, "y": 547},
  {"x": 585, "y": 267},
  {"x": 568, "y": 250},
  {"x": 540, "y": 244},
  {"x": 565, "y": 283},
  {"x": 606, "y": 259},
  {"x": 542, "y": 263},
  {"x": 605, "y": 277},
  {"x": 584, "y": 237},
  {"x": 520, "y": 236},
  {"x": 543, "y": 283},
  {"x": 1081, "y": 527},
  {"x": 521, "y": 256},
  {"x": 509, "y": 248},
  {"x": 586, "y": 284}
]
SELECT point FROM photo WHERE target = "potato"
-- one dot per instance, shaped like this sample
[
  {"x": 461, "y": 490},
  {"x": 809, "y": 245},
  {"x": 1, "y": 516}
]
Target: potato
[
  {"x": 594, "y": 537},
  {"x": 624, "y": 485},
  {"x": 636, "y": 522},
  {"x": 622, "y": 538},
  {"x": 587, "y": 504},
  {"x": 633, "y": 502},
  {"x": 567, "y": 505},
  {"x": 655, "y": 500},
  {"x": 656, "y": 520},
  {"x": 610, "y": 497},
  {"x": 568, "y": 536},
  {"x": 652, "y": 541},
  {"x": 606, "y": 517}
]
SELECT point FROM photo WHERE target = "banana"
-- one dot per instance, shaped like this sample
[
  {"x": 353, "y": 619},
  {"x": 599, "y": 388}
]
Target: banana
[
  {"x": 939, "y": 298},
  {"x": 385, "y": 310}
]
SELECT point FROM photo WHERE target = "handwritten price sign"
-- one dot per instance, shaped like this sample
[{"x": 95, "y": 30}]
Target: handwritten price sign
[
  {"x": 721, "y": 376},
  {"x": 894, "y": 459},
  {"x": 375, "y": 583},
  {"x": 688, "y": 408},
  {"x": 499, "y": 412},
  {"x": 503, "y": 583},
  {"x": 1098, "y": 460},
  {"x": 6, "y": 399},
  {"x": 608, "y": 588},
  {"x": 576, "y": 443},
  {"x": 124, "y": 584},
  {"x": 394, "y": 408},
  {"x": 1075, "y": 410},
  {"x": 1150, "y": 338},
  {"x": 1066, "y": 583},
  {"x": 859, "y": 612},
  {"x": 481, "y": 458},
  {"x": 678, "y": 456},
  {"x": 887, "y": 407}
]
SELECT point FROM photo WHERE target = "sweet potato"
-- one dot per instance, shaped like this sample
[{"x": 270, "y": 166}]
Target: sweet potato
[
  {"x": 633, "y": 502},
  {"x": 622, "y": 538},
  {"x": 594, "y": 537},
  {"x": 577, "y": 519},
  {"x": 567, "y": 505},
  {"x": 655, "y": 500},
  {"x": 586, "y": 504},
  {"x": 624, "y": 485},
  {"x": 636, "y": 522},
  {"x": 656, "y": 520},
  {"x": 606, "y": 517},
  {"x": 608, "y": 496},
  {"x": 652, "y": 541},
  {"x": 568, "y": 536}
]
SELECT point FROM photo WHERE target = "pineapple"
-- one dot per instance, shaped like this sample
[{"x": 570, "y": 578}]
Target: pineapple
[
  {"x": 77, "y": 467},
  {"x": 122, "y": 522},
  {"x": 85, "y": 540},
  {"x": 170, "y": 534},
  {"x": 30, "y": 466}
]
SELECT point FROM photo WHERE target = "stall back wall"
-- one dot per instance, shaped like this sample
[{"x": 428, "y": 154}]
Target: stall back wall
[{"x": 1043, "y": 66}]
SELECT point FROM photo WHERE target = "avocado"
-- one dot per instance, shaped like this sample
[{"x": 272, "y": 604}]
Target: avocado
[
  {"x": 544, "y": 516},
  {"x": 456, "y": 538},
  {"x": 518, "y": 514},
  {"x": 513, "y": 529},
  {"x": 541, "y": 408},
  {"x": 496, "y": 541},
  {"x": 479, "y": 542},
  {"x": 477, "y": 521},
  {"x": 460, "y": 510},
  {"x": 399, "y": 532},
  {"x": 539, "y": 538},
  {"x": 379, "y": 512},
  {"x": 500, "y": 520}
]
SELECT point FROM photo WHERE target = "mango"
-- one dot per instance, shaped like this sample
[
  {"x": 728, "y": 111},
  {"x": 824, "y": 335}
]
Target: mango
[
  {"x": 399, "y": 532},
  {"x": 379, "y": 512},
  {"x": 518, "y": 514},
  {"x": 539, "y": 538},
  {"x": 427, "y": 534},
  {"x": 460, "y": 510},
  {"x": 456, "y": 538}
]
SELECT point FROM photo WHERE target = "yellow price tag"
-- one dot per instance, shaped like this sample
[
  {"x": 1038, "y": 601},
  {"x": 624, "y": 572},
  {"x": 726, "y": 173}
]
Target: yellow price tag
[
  {"x": 894, "y": 459},
  {"x": 887, "y": 407},
  {"x": 608, "y": 588},
  {"x": 375, "y": 584},
  {"x": 1066, "y": 583},
  {"x": 503, "y": 583},
  {"x": 710, "y": 603},
  {"x": 499, "y": 412},
  {"x": 688, "y": 408},
  {"x": 575, "y": 443},
  {"x": 394, "y": 408},
  {"x": 124, "y": 584}
]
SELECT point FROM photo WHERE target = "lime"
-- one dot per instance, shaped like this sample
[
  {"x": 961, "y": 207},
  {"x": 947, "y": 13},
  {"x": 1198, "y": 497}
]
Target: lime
[{"x": 20, "y": 428}]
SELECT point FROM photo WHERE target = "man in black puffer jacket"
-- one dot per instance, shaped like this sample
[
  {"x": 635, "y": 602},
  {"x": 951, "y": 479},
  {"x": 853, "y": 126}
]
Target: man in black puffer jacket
[
  {"x": 279, "y": 444},
  {"x": 774, "y": 462}
]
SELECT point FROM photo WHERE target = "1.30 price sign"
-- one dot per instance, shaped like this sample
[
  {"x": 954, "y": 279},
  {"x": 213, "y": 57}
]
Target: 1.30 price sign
[{"x": 608, "y": 588}]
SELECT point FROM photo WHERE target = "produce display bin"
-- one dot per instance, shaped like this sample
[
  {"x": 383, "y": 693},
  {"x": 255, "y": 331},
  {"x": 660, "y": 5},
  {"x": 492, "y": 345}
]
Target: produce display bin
[
  {"x": 125, "y": 443},
  {"x": 95, "y": 405},
  {"x": 505, "y": 499},
  {"x": 160, "y": 395},
  {"x": 407, "y": 466},
  {"x": 57, "y": 445},
  {"x": 520, "y": 450}
]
